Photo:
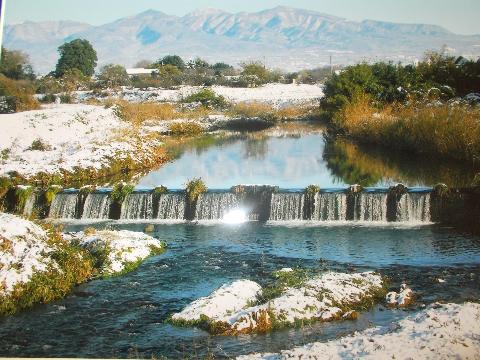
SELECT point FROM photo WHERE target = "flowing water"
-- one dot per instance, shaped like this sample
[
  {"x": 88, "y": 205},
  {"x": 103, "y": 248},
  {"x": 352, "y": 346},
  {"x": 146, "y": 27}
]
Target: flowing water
[{"x": 126, "y": 316}]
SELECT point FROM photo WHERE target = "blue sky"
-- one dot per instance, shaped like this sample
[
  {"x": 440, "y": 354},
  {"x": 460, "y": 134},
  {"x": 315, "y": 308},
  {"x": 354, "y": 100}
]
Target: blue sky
[{"x": 460, "y": 16}]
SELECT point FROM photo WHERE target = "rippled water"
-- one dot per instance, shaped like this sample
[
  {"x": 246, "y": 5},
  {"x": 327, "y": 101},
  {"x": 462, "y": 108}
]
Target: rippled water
[{"x": 125, "y": 316}]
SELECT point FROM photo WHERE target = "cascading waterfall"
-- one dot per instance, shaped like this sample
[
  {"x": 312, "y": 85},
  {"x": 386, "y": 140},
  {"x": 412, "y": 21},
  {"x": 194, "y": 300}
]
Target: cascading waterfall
[
  {"x": 287, "y": 206},
  {"x": 260, "y": 202},
  {"x": 30, "y": 204},
  {"x": 97, "y": 206},
  {"x": 414, "y": 207},
  {"x": 137, "y": 206},
  {"x": 213, "y": 206},
  {"x": 171, "y": 206},
  {"x": 371, "y": 207},
  {"x": 330, "y": 206},
  {"x": 64, "y": 206}
]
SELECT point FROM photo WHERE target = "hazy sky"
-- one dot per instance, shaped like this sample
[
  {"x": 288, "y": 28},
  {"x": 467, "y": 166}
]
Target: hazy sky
[{"x": 460, "y": 16}]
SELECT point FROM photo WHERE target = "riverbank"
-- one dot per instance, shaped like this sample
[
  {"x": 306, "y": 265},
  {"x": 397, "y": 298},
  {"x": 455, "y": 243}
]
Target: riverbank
[
  {"x": 39, "y": 265},
  {"x": 448, "y": 130},
  {"x": 115, "y": 135}
]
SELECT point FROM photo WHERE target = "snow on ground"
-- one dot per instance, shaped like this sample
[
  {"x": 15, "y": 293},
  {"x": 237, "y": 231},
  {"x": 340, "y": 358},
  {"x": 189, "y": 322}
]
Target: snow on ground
[
  {"x": 72, "y": 135},
  {"x": 316, "y": 299},
  {"x": 226, "y": 300},
  {"x": 122, "y": 247},
  {"x": 23, "y": 251},
  {"x": 278, "y": 95},
  {"x": 448, "y": 331}
]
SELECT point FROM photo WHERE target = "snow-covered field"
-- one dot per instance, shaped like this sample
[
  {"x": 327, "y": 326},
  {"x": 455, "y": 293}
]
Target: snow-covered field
[
  {"x": 123, "y": 247},
  {"x": 316, "y": 299},
  {"x": 23, "y": 252},
  {"x": 277, "y": 95},
  {"x": 442, "y": 331},
  {"x": 62, "y": 137}
]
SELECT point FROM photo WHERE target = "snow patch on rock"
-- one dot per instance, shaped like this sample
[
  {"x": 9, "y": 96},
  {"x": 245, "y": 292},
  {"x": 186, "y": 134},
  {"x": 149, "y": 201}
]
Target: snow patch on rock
[
  {"x": 316, "y": 299},
  {"x": 401, "y": 299},
  {"x": 224, "y": 301}
]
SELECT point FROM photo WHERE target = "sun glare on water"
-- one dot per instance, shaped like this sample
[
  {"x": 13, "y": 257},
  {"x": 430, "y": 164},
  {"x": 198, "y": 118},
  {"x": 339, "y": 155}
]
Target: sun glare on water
[{"x": 236, "y": 216}]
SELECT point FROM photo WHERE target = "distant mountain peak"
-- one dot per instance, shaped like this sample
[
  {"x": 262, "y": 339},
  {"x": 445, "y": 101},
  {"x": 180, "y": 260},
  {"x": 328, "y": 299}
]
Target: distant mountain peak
[
  {"x": 205, "y": 12},
  {"x": 288, "y": 37}
]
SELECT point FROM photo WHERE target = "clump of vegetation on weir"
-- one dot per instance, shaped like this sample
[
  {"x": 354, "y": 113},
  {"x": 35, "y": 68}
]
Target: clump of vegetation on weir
[
  {"x": 194, "y": 188},
  {"x": 418, "y": 109},
  {"x": 312, "y": 189},
  {"x": 120, "y": 191},
  {"x": 22, "y": 193}
]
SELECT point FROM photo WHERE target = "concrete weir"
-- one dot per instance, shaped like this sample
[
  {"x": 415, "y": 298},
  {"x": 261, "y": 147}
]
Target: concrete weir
[{"x": 262, "y": 203}]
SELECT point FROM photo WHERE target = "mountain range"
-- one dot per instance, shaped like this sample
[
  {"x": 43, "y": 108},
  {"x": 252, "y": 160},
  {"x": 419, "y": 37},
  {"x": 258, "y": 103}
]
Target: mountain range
[{"x": 283, "y": 37}]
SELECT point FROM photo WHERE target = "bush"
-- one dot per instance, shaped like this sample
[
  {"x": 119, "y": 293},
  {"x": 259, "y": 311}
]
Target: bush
[
  {"x": 194, "y": 188},
  {"x": 113, "y": 76},
  {"x": 39, "y": 145},
  {"x": 207, "y": 98},
  {"x": 16, "y": 95},
  {"x": 120, "y": 191}
]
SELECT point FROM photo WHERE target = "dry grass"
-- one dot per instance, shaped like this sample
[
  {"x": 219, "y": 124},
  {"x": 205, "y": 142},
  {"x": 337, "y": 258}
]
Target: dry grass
[
  {"x": 445, "y": 130},
  {"x": 138, "y": 113},
  {"x": 185, "y": 129},
  {"x": 268, "y": 112}
]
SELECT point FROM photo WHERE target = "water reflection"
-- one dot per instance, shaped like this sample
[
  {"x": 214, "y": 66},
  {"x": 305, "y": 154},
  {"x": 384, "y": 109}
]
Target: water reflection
[
  {"x": 373, "y": 166},
  {"x": 295, "y": 156}
]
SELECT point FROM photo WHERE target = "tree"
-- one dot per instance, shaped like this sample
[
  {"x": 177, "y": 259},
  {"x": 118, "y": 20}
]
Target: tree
[
  {"x": 255, "y": 70},
  {"x": 76, "y": 54},
  {"x": 112, "y": 75},
  {"x": 174, "y": 60},
  {"x": 15, "y": 65},
  {"x": 73, "y": 79}
]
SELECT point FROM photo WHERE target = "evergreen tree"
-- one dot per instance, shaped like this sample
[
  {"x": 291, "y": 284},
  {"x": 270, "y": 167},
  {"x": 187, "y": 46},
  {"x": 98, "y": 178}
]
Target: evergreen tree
[{"x": 77, "y": 54}]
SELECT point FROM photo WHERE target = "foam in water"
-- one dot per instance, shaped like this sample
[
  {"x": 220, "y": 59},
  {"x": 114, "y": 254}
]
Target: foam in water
[
  {"x": 171, "y": 207},
  {"x": 287, "y": 206},
  {"x": 414, "y": 207},
  {"x": 213, "y": 206},
  {"x": 330, "y": 206},
  {"x": 64, "y": 206},
  {"x": 97, "y": 206},
  {"x": 137, "y": 206}
]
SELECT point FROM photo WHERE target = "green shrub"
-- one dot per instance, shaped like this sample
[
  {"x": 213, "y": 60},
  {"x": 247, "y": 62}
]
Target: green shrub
[
  {"x": 120, "y": 191},
  {"x": 39, "y": 145},
  {"x": 159, "y": 190},
  {"x": 50, "y": 193},
  {"x": 22, "y": 193},
  {"x": 194, "y": 188},
  {"x": 312, "y": 189},
  {"x": 207, "y": 98}
]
